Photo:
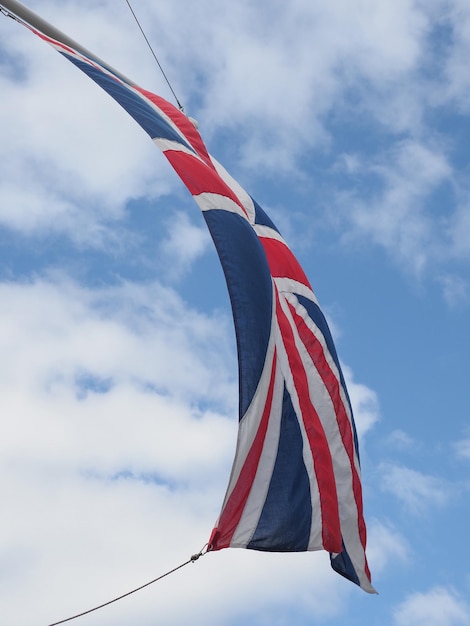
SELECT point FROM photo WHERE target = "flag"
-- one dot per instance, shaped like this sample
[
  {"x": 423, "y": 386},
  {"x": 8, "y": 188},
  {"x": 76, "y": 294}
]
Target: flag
[{"x": 295, "y": 483}]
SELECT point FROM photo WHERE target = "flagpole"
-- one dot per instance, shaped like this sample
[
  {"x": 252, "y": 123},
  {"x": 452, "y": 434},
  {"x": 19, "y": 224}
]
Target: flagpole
[{"x": 16, "y": 10}]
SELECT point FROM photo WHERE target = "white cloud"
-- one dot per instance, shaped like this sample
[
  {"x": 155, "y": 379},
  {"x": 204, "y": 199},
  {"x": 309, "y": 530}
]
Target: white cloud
[
  {"x": 385, "y": 545},
  {"x": 185, "y": 243},
  {"x": 396, "y": 217},
  {"x": 459, "y": 230},
  {"x": 128, "y": 333},
  {"x": 455, "y": 87},
  {"x": 364, "y": 403},
  {"x": 71, "y": 158},
  {"x": 401, "y": 440},
  {"x": 81, "y": 366},
  {"x": 416, "y": 490},
  {"x": 437, "y": 607},
  {"x": 463, "y": 448},
  {"x": 316, "y": 51},
  {"x": 455, "y": 288},
  {"x": 114, "y": 455}
]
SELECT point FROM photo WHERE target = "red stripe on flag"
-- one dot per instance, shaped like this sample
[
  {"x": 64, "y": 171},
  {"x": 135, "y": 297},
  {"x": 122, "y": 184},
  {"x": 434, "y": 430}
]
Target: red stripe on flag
[
  {"x": 233, "y": 510},
  {"x": 184, "y": 124},
  {"x": 199, "y": 178},
  {"x": 317, "y": 354},
  {"x": 282, "y": 262},
  {"x": 321, "y": 456}
]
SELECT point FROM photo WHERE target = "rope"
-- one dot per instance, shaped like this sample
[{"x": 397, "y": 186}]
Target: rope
[
  {"x": 180, "y": 106},
  {"x": 193, "y": 559},
  {"x": 7, "y": 13}
]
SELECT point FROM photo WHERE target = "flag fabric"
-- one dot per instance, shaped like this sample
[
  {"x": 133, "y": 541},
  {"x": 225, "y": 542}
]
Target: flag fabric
[{"x": 295, "y": 483}]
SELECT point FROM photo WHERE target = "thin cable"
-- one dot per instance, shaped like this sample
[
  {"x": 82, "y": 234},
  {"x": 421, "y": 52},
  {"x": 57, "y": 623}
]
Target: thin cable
[
  {"x": 124, "y": 595},
  {"x": 180, "y": 106}
]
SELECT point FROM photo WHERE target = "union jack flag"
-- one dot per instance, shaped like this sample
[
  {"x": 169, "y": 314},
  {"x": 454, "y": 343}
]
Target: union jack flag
[{"x": 295, "y": 483}]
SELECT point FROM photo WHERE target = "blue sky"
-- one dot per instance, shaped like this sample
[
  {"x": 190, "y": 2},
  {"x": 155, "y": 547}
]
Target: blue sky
[{"x": 348, "y": 123}]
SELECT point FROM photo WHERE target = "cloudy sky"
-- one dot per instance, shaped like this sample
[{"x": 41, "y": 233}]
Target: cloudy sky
[{"x": 348, "y": 122}]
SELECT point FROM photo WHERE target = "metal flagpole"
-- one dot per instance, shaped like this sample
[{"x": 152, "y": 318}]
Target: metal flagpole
[{"x": 15, "y": 9}]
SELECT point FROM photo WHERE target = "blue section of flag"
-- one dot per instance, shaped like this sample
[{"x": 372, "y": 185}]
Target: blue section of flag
[
  {"x": 250, "y": 288},
  {"x": 262, "y": 218},
  {"x": 342, "y": 564},
  {"x": 286, "y": 518}
]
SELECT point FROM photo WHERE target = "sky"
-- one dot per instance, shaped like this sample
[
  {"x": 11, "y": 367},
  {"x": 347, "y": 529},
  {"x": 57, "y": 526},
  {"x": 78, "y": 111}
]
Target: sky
[{"x": 348, "y": 122}]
